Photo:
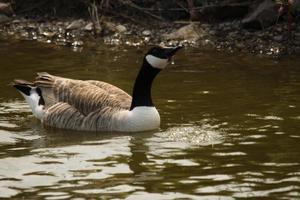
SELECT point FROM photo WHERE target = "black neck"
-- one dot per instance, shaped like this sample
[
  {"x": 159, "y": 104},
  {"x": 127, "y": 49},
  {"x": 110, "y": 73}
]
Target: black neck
[{"x": 141, "y": 95}]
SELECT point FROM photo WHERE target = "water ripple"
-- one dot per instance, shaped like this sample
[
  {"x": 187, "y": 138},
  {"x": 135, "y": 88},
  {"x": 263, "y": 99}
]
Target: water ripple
[
  {"x": 8, "y": 137},
  {"x": 50, "y": 166},
  {"x": 194, "y": 135}
]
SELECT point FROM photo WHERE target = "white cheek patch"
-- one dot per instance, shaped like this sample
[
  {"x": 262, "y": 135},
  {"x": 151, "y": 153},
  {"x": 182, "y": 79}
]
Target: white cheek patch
[{"x": 156, "y": 62}]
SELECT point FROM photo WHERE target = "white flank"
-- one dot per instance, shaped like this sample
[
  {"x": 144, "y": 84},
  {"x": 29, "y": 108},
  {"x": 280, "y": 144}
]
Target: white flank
[
  {"x": 141, "y": 118},
  {"x": 33, "y": 102},
  {"x": 156, "y": 62}
]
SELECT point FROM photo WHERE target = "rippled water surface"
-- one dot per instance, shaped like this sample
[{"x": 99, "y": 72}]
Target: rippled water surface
[{"x": 230, "y": 129}]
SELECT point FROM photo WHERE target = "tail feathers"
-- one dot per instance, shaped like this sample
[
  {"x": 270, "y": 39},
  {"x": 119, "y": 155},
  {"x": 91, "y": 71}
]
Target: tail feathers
[
  {"x": 32, "y": 95},
  {"x": 23, "y": 86}
]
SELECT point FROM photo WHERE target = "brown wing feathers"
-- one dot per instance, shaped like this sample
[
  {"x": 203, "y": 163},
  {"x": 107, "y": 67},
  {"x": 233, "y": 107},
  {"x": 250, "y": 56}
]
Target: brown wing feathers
[{"x": 85, "y": 96}]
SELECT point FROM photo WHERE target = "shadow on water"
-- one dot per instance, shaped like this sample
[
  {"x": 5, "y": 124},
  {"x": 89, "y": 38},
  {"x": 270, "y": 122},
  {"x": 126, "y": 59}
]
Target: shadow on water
[{"x": 229, "y": 129}]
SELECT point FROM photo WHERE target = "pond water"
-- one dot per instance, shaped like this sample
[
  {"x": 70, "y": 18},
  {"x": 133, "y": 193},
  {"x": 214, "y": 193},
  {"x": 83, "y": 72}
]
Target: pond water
[{"x": 230, "y": 129}]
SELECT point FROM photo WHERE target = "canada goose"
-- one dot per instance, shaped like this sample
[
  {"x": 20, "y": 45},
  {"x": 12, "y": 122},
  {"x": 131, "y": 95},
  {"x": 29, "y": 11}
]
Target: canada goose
[{"x": 94, "y": 105}]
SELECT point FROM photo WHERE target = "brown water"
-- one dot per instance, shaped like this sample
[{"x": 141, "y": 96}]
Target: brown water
[{"x": 230, "y": 129}]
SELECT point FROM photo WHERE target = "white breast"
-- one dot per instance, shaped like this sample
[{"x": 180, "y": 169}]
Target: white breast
[{"x": 141, "y": 118}]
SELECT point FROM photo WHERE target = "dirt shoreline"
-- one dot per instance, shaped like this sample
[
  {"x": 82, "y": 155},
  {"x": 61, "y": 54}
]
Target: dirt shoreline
[{"x": 274, "y": 41}]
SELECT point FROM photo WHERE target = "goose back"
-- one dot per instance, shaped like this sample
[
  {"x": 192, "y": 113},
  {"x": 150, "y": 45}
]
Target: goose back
[{"x": 84, "y": 96}]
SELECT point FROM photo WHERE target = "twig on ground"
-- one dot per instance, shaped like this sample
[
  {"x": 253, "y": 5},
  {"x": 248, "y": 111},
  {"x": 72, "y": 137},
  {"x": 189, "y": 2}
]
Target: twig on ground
[
  {"x": 94, "y": 14},
  {"x": 141, "y": 9}
]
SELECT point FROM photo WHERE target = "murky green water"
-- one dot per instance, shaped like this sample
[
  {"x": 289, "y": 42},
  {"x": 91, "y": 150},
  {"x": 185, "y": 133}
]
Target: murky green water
[{"x": 230, "y": 129}]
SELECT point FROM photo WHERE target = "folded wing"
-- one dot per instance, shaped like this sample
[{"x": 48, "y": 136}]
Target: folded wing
[{"x": 85, "y": 97}]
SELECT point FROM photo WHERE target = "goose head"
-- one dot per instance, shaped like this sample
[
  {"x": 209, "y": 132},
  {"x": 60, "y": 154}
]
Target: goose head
[{"x": 159, "y": 57}]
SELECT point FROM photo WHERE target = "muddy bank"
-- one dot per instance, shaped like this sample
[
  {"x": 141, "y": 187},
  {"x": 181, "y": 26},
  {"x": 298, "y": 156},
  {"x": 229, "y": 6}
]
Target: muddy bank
[
  {"x": 248, "y": 27},
  {"x": 228, "y": 36}
]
